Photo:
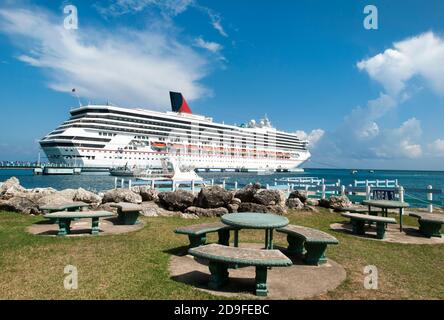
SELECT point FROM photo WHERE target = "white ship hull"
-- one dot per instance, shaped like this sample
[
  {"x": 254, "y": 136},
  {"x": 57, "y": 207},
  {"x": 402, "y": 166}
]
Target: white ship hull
[{"x": 109, "y": 137}]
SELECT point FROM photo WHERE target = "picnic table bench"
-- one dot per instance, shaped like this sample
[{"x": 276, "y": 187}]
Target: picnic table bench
[
  {"x": 197, "y": 234},
  {"x": 314, "y": 241},
  {"x": 358, "y": 221},
  {"x": 128, "y": 213},
  {"x": 221, "y": 257},
  {"x": 64, "y": 219},
  {"x": 429, "y": 223},
  {"x": 355, "y": 209}
]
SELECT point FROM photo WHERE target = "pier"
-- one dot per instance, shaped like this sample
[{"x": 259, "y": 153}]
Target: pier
[{"x": 49, "y": 168}]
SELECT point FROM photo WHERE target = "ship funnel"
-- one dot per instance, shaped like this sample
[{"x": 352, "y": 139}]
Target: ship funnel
[{"x": 178, "y": 103}]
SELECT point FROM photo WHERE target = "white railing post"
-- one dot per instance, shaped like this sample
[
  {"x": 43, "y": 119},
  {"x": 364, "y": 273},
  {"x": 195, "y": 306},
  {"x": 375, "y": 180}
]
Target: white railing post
[
  {"x": 401, "y": 197},
  {"x": 342, "y": 190},
  {"x": 212, "y": 182},
  {"x": 356, "y": 183},
  {"x": 401, "y": 193},
  {"x": 235, "y": 185},
  {"x": 223, "y": 183},
  {"x": 152, "y": 184},
  {"x": 323, "y": 191},
  {"x": 115, "y": 183},
  {"x": 430, "y": 198},
  {"x": 267, "y": 186},
  {"x": 367, "y": 192},
  {"x": 129, "y": 184},
  {"x": 122, "y": 183}
]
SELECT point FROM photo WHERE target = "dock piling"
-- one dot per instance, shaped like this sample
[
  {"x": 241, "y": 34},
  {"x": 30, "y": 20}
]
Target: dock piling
[{"x": 430, "y": 198}]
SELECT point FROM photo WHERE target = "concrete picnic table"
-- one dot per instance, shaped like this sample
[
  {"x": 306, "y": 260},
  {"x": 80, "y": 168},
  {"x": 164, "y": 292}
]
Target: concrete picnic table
[
  {"x": 385, "y": 205},
  {"x": 253, "y": 220},
  {"x": 128, "y": 212},
  {"x": 64, "y": 219}
]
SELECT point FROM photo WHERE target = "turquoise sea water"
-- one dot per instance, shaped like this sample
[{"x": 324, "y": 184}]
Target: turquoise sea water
[{"x": 100, "y": 182}]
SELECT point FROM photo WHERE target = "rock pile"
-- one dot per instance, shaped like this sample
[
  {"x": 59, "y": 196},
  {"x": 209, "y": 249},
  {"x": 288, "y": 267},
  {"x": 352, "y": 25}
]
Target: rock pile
[{"x": 211, "y": 201}]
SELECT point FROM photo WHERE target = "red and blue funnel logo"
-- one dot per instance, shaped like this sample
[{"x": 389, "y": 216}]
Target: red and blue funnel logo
[{"x": 178, "y": 103}]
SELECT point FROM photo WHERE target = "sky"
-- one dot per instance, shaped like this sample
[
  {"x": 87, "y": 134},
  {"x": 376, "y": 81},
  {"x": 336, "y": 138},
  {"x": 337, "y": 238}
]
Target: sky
[{"x": 364, "y": 98}]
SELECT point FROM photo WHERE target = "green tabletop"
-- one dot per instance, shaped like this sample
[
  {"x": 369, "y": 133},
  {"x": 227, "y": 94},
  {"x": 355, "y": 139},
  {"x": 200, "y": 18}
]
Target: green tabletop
[
  {"x": 386, "y": 204},
  {"x": 79, "y": 214},
  {"x": 65, "y": 206},
  {"x": 254, "y": 220}
]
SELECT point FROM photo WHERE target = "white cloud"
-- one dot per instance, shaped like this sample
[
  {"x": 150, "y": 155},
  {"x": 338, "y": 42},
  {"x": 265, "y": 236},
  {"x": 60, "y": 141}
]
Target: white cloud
[
  {"x": 421, "y": 56},
  {"x": 167, "y": 7},
  {"x": 437, "y": 147},
  {"x": 208, "y": 45},
  {"x": 360, "y": 137},
  {"x": 313, "y": 137},
  {"x": 121, "y": 7},
  {"x": 126, "y": 67},
  {"x": 217, "y": 24},
  {"x": 400, "y": 142}
]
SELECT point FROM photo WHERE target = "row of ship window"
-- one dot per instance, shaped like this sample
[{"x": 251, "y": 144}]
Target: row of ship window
[{"x": 283, "y": 138}]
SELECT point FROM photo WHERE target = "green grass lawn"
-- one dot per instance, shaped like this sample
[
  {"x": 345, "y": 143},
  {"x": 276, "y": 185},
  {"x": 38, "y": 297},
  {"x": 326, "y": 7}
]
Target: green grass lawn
[{"x": 135, "y": 265}]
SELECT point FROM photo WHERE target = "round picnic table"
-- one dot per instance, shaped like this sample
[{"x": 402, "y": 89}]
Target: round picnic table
[
  {"x": 253, "y": 220},
  {"x": 385, "y": 205}
]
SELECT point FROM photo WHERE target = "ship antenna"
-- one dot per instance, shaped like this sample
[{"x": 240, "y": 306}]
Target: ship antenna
[{"x": 77, "y": 96}]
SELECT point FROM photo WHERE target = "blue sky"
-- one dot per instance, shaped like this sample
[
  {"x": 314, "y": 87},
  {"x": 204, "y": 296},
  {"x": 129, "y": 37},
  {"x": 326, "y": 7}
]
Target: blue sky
[{"x": 365, "y": 98}]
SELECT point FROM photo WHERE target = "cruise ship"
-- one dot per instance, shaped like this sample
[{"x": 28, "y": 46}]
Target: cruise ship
[{"x": 106, "y": 136}]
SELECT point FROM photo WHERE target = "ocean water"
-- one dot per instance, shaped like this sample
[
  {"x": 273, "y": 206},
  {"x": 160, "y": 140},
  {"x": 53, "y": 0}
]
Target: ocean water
[{"x": 100, "y": 182}]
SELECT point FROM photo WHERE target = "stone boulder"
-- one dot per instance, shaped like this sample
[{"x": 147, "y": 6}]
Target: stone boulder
[
  {"x": 68, "y": 194},
  {"x": 298, "y": 194},
  {"x": 294, "y": 203},
  {"x": 339, "y": 202},
  {"x": 52, "y": 200},
  {"x": 176, "y": 200},
  {"x": 153, "y": 209},
  {"x": 247, "y": 193},
  {"x": 19, "y": 204},
  {"x": 312, "y": 202},
  {"x": 268, "y": 197},
  {"x": 324, "y": 203},
  {"x": 87, "y": 196},
  {"x": 255, "y": 207},
  {"x": 146, "y": 193},
  {"x": 232, "y": 207},
  {"x": 235, "y": 201},
  {"x": 205, "y": 212},
  {"x": 11, "y": 187},
  {"x": 213, "y": 197},
  {"x": 37, "y": 193},
  {"x": 121, "y": 195}
]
